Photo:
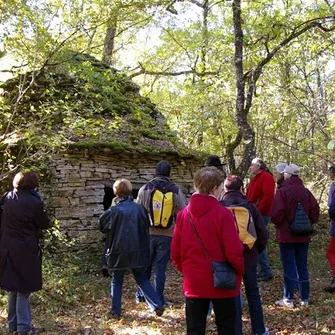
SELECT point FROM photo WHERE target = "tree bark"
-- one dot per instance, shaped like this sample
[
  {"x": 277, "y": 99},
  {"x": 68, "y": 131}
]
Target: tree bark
[
  {"x": 109, "y": 42},
  {"x": 243, "y": 105}
]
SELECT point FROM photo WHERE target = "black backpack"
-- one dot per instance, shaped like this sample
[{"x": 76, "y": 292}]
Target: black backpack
[{"x": 301, "y": 224}]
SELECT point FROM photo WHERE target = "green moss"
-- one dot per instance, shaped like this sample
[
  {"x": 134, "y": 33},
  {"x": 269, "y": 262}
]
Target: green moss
[
  {"x": 152, "y": 135},
  {"x": 115, "y": 146},
  {"x": 89, "y": 105}
]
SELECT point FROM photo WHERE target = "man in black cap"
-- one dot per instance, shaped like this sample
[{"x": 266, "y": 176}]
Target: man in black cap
[{"x": 213, "y": 160}]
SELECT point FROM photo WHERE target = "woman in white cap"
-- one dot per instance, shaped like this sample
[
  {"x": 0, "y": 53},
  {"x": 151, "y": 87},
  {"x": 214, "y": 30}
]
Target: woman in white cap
[
  {"x": 278, "y": 174},
  {"x": 293, "y": 249}
]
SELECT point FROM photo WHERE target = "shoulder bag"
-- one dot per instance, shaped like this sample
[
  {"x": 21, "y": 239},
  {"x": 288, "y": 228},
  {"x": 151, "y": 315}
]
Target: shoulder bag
[{"x": 224, "y": 275}]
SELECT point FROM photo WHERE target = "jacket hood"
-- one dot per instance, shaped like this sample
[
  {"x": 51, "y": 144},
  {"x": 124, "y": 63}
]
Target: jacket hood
[
  {"x": 200, "y": 204},
  {"x": 160, "y": 181},
  {"x": 292, "y": 181},
  {"x": 233, "y": 198}
]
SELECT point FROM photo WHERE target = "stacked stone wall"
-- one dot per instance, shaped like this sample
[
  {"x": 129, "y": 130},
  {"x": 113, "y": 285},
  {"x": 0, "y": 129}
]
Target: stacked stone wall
[{"x": 75, "y": 193}]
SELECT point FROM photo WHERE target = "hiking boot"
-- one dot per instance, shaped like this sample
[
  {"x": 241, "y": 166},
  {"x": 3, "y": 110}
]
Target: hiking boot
[
  {"x": 159, "y": 311},
  {"x": 33, "y": 330},
  {"x": 331, "y": 287},
  {"x": 114, "y": 316},
  {"x": 105, "y": 272},
  {"x": 285, "y": 303}
]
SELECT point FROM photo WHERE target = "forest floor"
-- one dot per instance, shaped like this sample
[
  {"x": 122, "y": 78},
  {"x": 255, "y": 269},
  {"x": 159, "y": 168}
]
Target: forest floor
[{"x": 75, "y": 298}]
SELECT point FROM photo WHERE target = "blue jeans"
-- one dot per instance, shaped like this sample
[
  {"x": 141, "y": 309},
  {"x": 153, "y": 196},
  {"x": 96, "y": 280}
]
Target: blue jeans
[
  {"x": 254, "y": 303},
  {"x": 19, "y": 314},
  {"x": 294, "y": 260},
  {"x": 159, "y": 257},
  {"x": 264, "y": 270},
  {"x": 142, "y": 281}
]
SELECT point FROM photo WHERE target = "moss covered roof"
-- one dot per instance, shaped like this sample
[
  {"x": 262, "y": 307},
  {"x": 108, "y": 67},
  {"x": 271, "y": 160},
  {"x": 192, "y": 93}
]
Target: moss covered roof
[{"x": 84, "y": 103}]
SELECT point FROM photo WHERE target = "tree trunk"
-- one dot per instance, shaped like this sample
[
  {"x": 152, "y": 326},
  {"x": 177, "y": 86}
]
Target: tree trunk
[
  {"x": 109, "y": 42},
  {"x": 243, "y": 103}
]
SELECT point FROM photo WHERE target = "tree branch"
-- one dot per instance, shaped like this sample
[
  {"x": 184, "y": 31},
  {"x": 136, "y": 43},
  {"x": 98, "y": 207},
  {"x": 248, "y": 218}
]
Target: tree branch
[
  {"x": 255, "y": 74},
  {"x": 171, "y": 73},
  {"x": 295, "y": 148}
]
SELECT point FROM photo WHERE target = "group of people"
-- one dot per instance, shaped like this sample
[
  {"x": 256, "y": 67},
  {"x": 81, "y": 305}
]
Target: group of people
[
  {"x": 142, "y": 235},
  {"x": 205, "y": 231}
]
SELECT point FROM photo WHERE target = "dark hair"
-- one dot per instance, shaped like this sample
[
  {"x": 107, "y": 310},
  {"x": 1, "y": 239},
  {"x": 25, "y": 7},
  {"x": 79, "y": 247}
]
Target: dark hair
[
  {"x": 332, "y": 170},
  {"x": 163, "y": 168},
  {"x": 25, "y": 180},
  {"x": 233, "y": 183},
  {"x": 207, "y": 178}
]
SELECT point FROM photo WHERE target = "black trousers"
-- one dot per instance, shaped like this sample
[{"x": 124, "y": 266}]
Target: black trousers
[{"x": 196, "y": 315}]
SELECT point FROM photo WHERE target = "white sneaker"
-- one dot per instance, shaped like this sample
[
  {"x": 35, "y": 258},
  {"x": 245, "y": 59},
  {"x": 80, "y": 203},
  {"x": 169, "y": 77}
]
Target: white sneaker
[
  {"x": 304, "y": 303},
  {"x": 285, "y": 303},
  {"x": 266, "y": 332}
]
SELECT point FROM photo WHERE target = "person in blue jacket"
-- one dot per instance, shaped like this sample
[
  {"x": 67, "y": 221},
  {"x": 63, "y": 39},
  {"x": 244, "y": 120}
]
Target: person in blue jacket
[{"x": 126, "y": 226}]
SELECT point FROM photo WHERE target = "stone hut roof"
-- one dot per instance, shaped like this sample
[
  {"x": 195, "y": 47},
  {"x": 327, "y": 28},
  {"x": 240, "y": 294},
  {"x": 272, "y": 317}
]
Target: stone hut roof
[{"x": 83, "y": 103}]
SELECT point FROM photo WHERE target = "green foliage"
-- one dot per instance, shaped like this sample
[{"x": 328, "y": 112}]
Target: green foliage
[
  {"x": 331, "y": 145},
  {"x": 295, "y": 90},
  {"x": 55, "y": 239},
  {"x": 161, "y": 39}
]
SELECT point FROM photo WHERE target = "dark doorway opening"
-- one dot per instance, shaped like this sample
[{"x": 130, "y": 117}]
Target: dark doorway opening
[{"x": 109, "y": 196}]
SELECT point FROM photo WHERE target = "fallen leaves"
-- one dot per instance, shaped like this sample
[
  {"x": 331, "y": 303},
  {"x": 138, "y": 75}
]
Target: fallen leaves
[{"x": 83, "y": 306}]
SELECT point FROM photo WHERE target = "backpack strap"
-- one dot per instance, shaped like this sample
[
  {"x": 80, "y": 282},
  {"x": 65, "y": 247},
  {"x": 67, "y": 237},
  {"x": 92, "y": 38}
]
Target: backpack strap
[
  {"x": 167, "y": 185},
  {"x": 235, "y": 203},
  {"x": 303, "y": 199},
  {"x": 298, "y": 202}
]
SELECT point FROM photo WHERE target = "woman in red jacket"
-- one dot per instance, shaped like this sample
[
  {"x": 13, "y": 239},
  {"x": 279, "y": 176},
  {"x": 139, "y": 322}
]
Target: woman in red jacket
[{"x": 215, "y": 226}]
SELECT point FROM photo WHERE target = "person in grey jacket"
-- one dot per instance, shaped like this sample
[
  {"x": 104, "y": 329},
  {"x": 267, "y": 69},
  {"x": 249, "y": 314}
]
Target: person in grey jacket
[
  {"x": 160, "y": 238},
  {"x": 21, "y": 260},
  {"x": 126, "y": 225}
]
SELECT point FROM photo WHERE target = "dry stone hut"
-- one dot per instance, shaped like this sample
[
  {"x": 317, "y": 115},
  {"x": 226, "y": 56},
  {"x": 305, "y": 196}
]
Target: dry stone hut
[
  {"x": 82, "y": 182},
  {"x": 83, "y": 125}
]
